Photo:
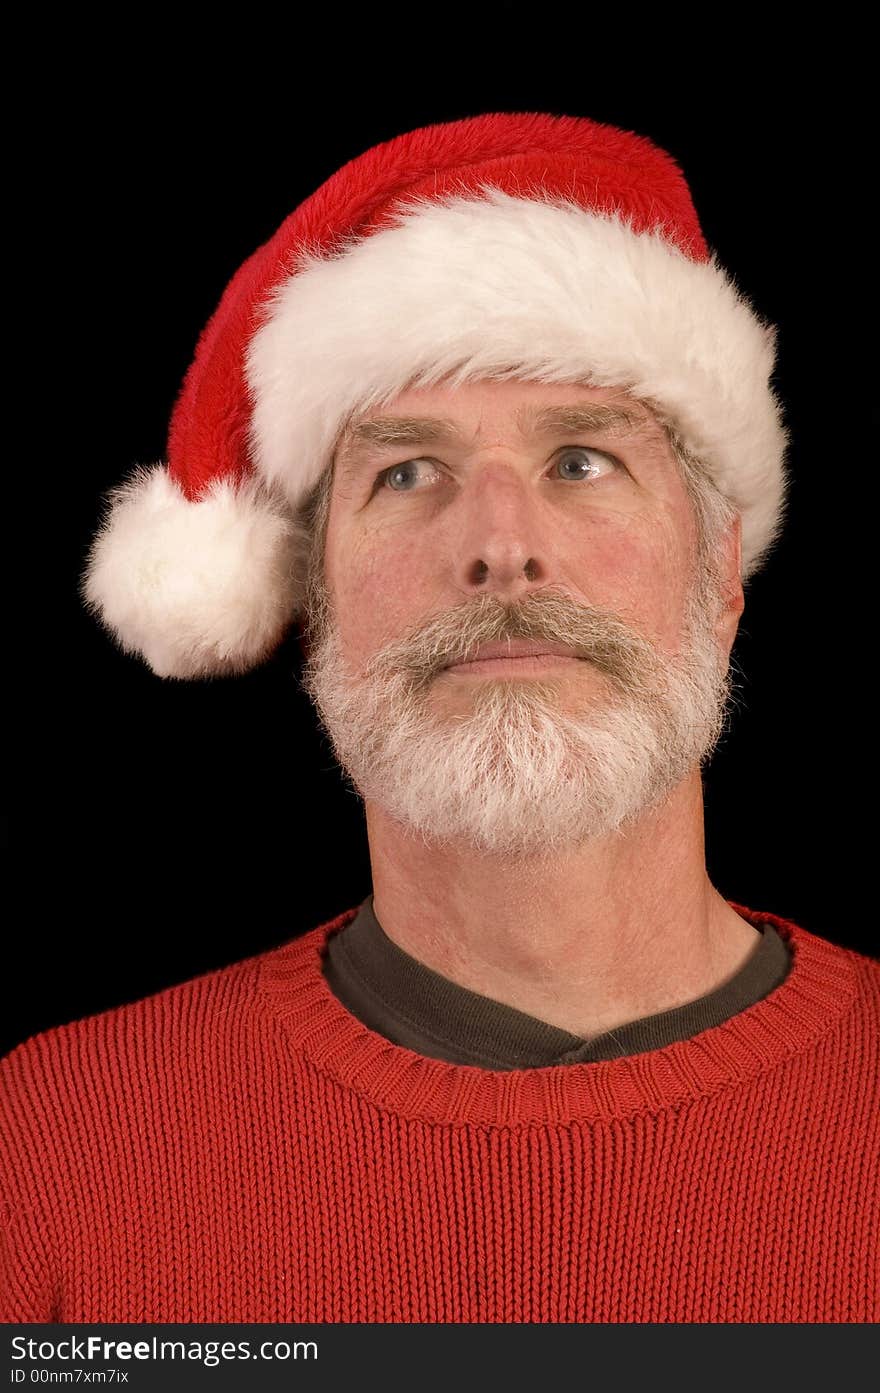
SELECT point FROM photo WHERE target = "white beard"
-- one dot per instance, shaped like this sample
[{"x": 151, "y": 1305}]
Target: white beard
[{"x": 519, "y": 767}]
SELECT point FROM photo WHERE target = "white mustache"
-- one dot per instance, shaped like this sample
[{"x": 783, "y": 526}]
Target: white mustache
[{"x": 599, "y": 637}]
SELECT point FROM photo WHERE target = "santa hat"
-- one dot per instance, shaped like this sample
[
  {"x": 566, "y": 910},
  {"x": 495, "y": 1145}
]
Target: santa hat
[{"x": 524, "y": 245}]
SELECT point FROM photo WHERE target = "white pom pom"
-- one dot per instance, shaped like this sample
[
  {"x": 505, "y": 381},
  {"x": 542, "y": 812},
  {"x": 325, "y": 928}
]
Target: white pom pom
[{"x": 198, "y": 589}]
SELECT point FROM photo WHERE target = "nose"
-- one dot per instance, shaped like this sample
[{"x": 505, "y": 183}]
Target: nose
[{"x": 499, "y": 547}]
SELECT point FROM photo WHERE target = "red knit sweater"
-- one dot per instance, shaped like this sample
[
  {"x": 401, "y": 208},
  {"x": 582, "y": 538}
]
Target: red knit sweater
[{"x": 241, "y": 1148}]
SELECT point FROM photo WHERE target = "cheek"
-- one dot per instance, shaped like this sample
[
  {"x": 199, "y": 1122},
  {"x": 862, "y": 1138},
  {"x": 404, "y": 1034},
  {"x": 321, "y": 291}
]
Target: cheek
[
  {"x": 634, "y": 564},
  {"x": 379, "y": 591},
  {"x": 637, "y": 569}
]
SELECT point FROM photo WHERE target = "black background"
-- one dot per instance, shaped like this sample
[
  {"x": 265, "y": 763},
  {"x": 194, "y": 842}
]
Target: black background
[{"x": 165, "y": 828}]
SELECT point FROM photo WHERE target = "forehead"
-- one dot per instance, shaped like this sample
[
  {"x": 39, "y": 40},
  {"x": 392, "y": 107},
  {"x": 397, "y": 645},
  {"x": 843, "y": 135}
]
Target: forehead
[{"x": 475, "y": 412}]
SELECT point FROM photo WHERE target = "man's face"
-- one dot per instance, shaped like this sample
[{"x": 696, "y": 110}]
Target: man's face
[{"x": 517, "y": 520}]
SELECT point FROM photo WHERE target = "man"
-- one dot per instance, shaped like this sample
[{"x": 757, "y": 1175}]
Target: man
[
  {"x": 489, "y": 420},
  {"x": 546, "y": 812}
]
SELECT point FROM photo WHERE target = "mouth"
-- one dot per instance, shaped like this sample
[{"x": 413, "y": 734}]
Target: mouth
[
  {"x": 511, "y": 667},
  {"x": 518, "y": 657}
]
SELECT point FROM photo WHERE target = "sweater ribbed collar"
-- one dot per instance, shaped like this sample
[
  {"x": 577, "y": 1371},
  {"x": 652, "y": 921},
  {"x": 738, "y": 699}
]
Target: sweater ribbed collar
[
  {"x": 819, "y": 989},
  {"x": 411, "y": 1004}
]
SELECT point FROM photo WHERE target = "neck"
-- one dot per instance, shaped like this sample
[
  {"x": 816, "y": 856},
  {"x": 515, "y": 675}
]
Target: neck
[{"x": 606, "y": 934}]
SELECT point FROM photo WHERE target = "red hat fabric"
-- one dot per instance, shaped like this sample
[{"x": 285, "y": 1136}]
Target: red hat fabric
[{"x": 524, "y": 245}]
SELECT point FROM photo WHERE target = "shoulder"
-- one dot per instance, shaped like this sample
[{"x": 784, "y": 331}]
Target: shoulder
[
  {"x": 76, "y": 1099},
  {"x": 154, "y": 1019},
  {"x": 157, "y": 1042},
  {"x": 865, "y": 973},
  {"x": 134, "y": 1056},
  {"x": 839, "y": 983}
]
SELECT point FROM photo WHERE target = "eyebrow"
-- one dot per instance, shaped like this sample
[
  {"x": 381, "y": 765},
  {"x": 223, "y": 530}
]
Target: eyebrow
[{"x": 365, "y": 440}]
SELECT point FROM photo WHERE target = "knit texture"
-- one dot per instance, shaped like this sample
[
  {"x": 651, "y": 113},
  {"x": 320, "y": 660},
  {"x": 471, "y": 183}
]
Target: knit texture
[{"x": 242, "y": 1148}]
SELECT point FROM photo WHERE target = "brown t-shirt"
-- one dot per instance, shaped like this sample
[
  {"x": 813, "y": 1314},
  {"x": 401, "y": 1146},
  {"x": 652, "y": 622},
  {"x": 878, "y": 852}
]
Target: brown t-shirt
[{"x": 412, "y": 1005}]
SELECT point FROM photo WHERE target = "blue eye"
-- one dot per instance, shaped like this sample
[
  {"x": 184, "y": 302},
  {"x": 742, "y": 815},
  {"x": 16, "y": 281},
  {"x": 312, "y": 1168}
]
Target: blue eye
[
  {"x": 581, "y": 450},
  {"x": 395, "y": 476},
  {"x": 396, "y": 471}
]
